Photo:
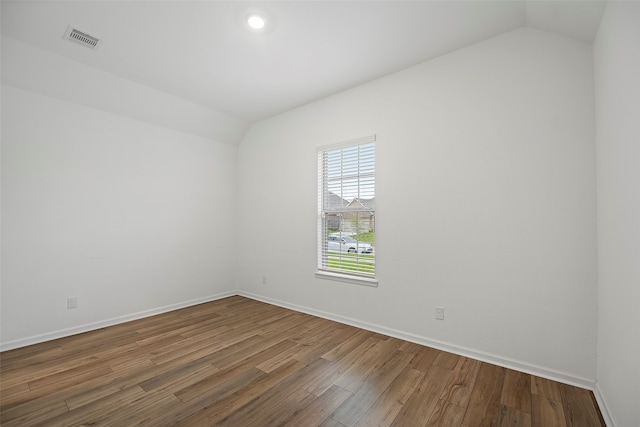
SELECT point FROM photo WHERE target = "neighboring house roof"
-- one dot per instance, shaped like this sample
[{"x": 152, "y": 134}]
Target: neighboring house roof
[
  {"x": 362, "y": 204},
  {"x": 336, "y": 202}
]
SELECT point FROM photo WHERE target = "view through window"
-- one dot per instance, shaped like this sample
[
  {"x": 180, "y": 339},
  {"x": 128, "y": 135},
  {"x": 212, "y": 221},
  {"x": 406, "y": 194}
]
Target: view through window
[{"x": 346, "y": 205}]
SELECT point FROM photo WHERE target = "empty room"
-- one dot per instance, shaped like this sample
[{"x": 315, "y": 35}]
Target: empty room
[{"x": 320, "y": 213}]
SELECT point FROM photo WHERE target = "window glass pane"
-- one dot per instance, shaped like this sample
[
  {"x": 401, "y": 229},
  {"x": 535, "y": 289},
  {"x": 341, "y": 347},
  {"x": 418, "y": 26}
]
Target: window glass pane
[{"x": 347, "y": 210}]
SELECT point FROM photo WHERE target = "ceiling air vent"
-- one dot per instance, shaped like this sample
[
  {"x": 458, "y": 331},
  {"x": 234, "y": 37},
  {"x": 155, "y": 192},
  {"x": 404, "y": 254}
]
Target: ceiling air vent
[{"x": 84, "y": 39}]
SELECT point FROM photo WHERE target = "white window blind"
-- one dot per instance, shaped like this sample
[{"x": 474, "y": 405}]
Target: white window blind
[{"x": 346, "y": 208}]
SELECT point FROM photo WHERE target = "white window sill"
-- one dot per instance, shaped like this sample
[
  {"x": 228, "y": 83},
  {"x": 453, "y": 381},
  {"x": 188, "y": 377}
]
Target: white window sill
[{"x": 356, "y": 280}]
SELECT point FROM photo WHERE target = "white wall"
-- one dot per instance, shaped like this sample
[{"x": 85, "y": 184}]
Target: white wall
[
  {"x": 485, "y": 197},
  {"x": 617, "y": 82},
  {"x": 129, "y": 217}
]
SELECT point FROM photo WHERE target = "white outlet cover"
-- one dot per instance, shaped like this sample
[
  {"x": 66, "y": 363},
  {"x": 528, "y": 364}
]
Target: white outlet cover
[{"x": 72, "y": 302}]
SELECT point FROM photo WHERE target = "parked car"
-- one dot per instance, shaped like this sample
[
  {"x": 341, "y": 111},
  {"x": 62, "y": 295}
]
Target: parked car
[{"x": 337, "y": 243}]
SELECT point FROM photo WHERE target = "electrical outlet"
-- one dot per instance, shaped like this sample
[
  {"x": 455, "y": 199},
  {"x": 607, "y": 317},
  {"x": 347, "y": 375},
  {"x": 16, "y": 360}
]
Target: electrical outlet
[
  {"x": 72, "y": 302},
  {"x": 440, "y": 313},
  {"x": 264, "y": 280}
]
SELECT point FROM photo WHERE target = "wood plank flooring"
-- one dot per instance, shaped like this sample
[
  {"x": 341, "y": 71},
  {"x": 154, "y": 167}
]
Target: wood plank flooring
[{"x": 240, "y": 362}]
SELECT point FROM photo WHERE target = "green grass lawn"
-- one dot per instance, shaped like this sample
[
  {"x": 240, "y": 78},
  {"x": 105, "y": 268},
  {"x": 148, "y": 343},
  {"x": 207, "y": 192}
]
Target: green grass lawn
[
  {"x": 359, "y": 263},
  {"x": 369, "y": 237}
]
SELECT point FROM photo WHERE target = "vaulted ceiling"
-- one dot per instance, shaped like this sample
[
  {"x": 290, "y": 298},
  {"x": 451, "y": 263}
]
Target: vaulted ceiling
[{"x": 203, "y": 51}]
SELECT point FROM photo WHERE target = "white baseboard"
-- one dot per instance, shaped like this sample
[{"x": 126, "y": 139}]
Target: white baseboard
[
  {"x": 602, "y": 404},
  {"x": 23, "y": 342},
  {"x": 451, "y": 348}
]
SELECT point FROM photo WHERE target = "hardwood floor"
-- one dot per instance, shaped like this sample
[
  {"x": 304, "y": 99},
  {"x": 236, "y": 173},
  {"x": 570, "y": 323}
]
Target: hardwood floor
[{"x": 239, "y": 362}]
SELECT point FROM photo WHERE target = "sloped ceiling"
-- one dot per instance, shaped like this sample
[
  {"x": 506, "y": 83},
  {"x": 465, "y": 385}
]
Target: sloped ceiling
[{"x": 203, "y": 51}]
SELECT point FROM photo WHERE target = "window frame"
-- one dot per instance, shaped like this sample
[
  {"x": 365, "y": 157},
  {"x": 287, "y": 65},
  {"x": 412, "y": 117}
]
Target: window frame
[{"x": 324, "y": 272}]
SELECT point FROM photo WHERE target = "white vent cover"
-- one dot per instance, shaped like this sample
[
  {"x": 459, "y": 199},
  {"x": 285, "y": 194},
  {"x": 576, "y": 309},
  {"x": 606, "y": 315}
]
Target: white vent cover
[{"x": 84, "y": 39}]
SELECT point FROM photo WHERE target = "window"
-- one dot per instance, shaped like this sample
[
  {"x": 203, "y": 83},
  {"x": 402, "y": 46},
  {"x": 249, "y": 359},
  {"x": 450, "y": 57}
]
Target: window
[{"x": 346, "y": 211}]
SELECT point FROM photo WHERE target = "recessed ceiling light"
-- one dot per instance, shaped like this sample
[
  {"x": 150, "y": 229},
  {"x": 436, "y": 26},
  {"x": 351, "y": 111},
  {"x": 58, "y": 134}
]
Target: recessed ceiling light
[{"x": 255, "y": 21}]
